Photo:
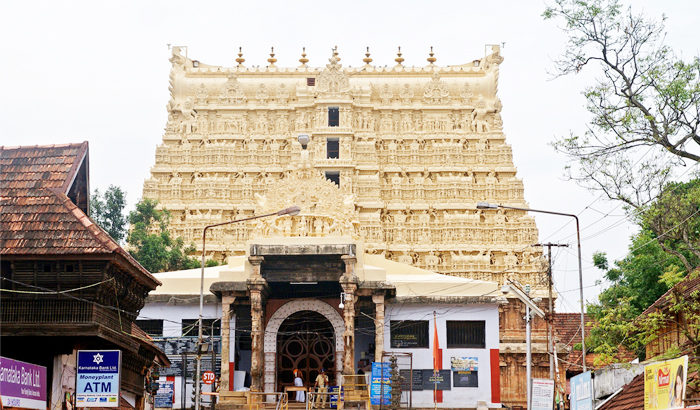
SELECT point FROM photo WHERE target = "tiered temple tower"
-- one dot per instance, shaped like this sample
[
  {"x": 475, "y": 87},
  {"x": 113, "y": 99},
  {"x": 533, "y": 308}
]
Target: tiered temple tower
[{"x": 413, "y": 148}]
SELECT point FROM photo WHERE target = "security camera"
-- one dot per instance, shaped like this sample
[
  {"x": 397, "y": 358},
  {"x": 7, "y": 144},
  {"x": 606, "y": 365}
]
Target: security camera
[{"x": 505, "y": 289}]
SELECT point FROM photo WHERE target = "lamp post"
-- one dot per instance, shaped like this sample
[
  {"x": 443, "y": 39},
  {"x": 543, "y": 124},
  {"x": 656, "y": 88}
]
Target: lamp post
[
  {"x": 530, "y": 308},
  {"x": 486, "y": 205},
  {"x": 292, "y": 210}
]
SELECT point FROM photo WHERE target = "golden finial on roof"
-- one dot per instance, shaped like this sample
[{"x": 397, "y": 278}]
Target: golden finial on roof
[
  {"x": 398, "y": 58},
  {"x": 303, "y": 60},
  {"x": 240, "y": 58},
  {"x": 272, "y": 60},
  {"x": 432, "y": 59},
  {"x": 367, "y": 59},
  {"x": 335, "y": 53}
]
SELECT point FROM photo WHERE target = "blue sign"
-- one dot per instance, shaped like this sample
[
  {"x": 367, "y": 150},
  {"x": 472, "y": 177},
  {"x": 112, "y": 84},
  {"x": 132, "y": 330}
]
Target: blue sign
[
  {"x": 334, "y": 396},
  {"x": 582, "y": 392},
  {"x": 97, "y": 378},
  {"x": 380, "y": 387},
  {"x": 164, "y": 396}
]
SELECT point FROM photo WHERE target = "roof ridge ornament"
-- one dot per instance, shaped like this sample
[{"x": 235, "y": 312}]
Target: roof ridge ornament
[
  {"x": 272, "y": 60},
  {"x": 432, "y": 58},
  {"x": 398, "y": 58},
  {"x": 367, "y": 58},
  {"x": 240, "y": 60},
  {"x": 303, "y": 60}
]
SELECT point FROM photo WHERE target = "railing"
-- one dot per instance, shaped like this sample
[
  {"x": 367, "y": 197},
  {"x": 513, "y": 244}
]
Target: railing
[{"x": 256, "y": 400}]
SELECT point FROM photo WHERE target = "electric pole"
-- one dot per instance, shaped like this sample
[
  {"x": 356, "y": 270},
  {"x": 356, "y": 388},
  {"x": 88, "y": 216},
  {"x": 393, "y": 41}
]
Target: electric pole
[{"x": 550, "y": 325}]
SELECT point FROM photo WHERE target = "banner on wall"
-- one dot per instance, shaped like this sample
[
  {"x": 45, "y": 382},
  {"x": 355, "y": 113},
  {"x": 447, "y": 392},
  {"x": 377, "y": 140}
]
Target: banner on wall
[
  {"x": 22, "y": 384},
  {"x": 380, "y": 387},
  {"x": 462, "y": 364},
  {"x": 664, "y": 384},
  {"x": 582, "y": 392}
]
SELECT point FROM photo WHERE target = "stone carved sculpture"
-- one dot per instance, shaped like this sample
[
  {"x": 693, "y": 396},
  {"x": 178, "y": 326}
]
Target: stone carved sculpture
[{"x": 399, "y": 193}]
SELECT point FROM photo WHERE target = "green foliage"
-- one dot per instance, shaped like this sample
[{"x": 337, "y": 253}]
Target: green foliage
[
  {"x": 210, "y": 262},
  {"x": 655, "y": 263},
  {"x": 108, "y": 211},
  {"x": 150, "y": 241}
]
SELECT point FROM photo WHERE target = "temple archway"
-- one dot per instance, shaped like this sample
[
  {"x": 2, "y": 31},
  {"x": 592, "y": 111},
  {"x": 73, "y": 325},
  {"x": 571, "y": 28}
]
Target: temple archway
[{"x": 284, "y": 312}]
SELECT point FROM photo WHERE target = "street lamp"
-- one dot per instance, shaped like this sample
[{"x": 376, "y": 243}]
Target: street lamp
[
  {"x": 530, "y": 305},
  {"x": 486, "y": 205},
  {"x": 292, "y": 210}
]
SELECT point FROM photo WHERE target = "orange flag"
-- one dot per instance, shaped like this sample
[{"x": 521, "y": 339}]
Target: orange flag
[{"x": 437, "y": 359}]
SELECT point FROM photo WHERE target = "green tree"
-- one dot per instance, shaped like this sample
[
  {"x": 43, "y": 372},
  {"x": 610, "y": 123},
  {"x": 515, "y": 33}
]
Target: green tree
[
  {"x": 107, "y": 210},
  {"x": 150, "y": 241},
  {"x": 655, "y": 262},
  {"x": 644, "y": 104}
]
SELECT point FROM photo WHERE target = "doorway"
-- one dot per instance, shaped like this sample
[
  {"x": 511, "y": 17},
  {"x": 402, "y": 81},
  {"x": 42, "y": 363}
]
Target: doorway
[{"x": 305, "y": 341}]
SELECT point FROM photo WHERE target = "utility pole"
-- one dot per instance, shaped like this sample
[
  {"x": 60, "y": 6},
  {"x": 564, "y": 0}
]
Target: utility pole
[{"x": 550, "y": 325}]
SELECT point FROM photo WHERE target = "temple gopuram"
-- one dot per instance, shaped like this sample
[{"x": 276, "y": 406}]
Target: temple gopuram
[{"x": 387, "y": 161}]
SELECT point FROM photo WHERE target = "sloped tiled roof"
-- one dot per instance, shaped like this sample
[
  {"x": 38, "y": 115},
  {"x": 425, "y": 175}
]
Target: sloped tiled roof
[
  {"x": 38, "y": 219},
  {"x": 630, "y": 398},
  {"x": 684, "y": 287},
  {"x": 32, "y": 167},
  {"x": 567, "y": 327}
]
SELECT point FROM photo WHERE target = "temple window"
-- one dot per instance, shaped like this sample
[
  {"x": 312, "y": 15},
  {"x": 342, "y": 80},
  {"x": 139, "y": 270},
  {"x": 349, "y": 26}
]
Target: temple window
[
  {"x": 333, "y": 116},
  {"x": 333, "y": 176},
  {"x": 332, "y": 148},
  {"x": 153, "y": 327},
  {"x": 466, "y": 334}
]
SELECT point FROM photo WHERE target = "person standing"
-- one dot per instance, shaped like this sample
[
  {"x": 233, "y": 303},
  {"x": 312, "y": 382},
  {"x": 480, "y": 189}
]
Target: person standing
[
  {"x": 321, "y": 385},
  {"x": 298, "y": 382}
]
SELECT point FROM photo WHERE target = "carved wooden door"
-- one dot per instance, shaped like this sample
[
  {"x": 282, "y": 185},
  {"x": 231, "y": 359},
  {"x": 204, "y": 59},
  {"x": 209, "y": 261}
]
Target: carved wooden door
[{"x": 305, "y": 341}]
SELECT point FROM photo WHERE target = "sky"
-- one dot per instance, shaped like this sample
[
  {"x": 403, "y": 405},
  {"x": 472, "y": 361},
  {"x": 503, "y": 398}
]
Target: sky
[{"x": 97, "y": 71}]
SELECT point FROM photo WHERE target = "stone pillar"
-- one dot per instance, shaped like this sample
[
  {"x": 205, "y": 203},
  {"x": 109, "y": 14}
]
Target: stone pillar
[
  {"x": 257, "y": 287},
  {"x": 226, "y": 306},
  {"x": 378, "y": 300},
  {"x": 348, "y": 281}
]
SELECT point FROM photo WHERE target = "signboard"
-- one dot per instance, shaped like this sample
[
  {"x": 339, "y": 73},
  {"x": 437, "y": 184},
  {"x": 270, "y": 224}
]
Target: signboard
[
  {"x": 464, "y": 363},
  {"x": 334, "y": 396},
  {"x": 542, "y": 394},
  {"x": 208, "y": 377},
  {"x": 165, "y": 395},
  {"x": 408, "y": 383},
  {"x": 466, "y": 378},
  {"x": 22, "y": 384},
  {"x": 97, "y": 379},
  {"x": 582, "y": 392},
  {"x": 380, "y": 387},
  {"x": 443, "y": 378},
  {"x": 664, "y": 384}
]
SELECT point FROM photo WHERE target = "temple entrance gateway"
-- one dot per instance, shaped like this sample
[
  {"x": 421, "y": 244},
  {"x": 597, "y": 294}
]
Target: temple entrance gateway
[
  {"x": 305, "y": 341},
  {"x": 290, "y": 334}
]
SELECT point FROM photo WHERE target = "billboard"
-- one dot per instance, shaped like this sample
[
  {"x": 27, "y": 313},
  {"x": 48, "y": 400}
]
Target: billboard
[
  {"x": 22, "y": 384},
  {"x": 664, "y": 384},
  {"x": 380, "y": 389},
  {"x": 97, "y": 380},
  {"x": 582, "y": 392}
]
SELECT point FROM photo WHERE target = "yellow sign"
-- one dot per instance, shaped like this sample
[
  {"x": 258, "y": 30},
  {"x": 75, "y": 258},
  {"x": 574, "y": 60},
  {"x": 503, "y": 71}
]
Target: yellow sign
[{"x": 664, "y": 384}]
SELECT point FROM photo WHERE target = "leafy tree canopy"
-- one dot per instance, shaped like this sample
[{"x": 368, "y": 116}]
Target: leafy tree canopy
[
  {"x": 107, "y": 210},
  {"x": 655, "y": 262},
  {"x": 644, "y": 104},
  {"x": 150, "y": 241}
]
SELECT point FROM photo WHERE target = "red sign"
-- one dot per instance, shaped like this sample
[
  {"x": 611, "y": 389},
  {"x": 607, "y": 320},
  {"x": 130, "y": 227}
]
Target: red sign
[{"x": 208, "y": 377}]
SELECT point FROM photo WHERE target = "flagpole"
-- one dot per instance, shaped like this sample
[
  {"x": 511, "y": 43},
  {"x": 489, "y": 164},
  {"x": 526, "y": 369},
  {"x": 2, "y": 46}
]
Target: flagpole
[{"x": 435, "y": 358}]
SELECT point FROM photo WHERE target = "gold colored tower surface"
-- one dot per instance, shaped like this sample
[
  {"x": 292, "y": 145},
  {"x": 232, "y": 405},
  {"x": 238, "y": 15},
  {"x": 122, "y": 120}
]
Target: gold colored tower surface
[{"x": 414, "y": 150}]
